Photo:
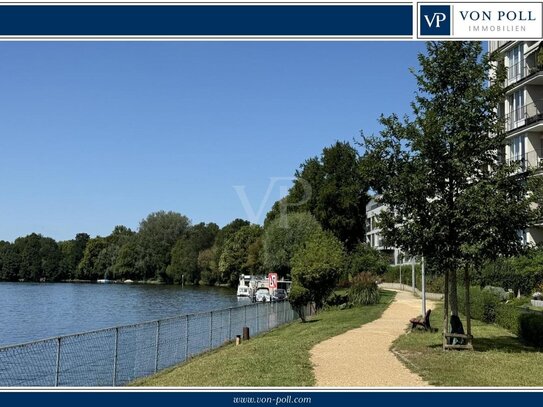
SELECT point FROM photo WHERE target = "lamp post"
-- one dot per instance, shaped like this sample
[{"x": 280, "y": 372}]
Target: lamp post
[{"x": 423, "y": 287}]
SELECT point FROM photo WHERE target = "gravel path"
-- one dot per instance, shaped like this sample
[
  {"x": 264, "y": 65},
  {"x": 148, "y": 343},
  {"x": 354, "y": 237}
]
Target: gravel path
[{"x": 362, "y": 358}]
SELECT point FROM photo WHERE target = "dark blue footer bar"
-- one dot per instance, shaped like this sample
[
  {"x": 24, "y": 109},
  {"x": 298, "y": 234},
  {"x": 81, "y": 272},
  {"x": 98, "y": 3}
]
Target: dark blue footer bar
[
  {"x": 266, "y": 398},
  {"x": 206, "y": 20}
]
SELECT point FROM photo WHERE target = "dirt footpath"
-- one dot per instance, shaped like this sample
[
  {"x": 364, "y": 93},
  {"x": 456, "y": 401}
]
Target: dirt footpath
[{"x": 361, "y": 357}]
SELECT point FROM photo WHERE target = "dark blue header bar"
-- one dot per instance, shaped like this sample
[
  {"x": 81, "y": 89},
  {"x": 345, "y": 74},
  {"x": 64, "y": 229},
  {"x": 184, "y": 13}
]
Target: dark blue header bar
[{"x": 207, "y": 20}]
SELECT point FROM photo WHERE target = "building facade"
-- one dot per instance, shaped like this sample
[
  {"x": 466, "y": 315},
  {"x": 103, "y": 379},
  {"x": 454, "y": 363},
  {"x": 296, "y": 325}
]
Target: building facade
[
  {"x": 374, "y": 238},
  {"x": 523, "y": 109}
]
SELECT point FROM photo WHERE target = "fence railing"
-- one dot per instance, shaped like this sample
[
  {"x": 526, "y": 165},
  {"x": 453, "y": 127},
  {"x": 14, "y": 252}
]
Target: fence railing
[
  {"x": 524, "y": 115},
  {"x": 116, "y": 356}
]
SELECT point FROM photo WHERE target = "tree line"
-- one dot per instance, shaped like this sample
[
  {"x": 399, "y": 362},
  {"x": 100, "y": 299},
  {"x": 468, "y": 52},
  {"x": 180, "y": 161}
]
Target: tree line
[{"x": 324, "y": 212}]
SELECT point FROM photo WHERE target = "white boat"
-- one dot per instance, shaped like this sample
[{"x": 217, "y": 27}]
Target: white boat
[
  {"x": 249, "y": 284},
  {"x": 104, "y": 281}
]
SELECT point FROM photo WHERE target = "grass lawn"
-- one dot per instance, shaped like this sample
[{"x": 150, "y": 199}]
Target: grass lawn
[
  {"x": 498, "y": 359},
  {"x": 277, "y": 358}
]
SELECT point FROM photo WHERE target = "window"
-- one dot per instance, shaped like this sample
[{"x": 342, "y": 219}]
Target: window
[
  {"x": 515, "y": 67},
  {"x": 517, "y": 148},
  {"x": 517, "y": 109}
]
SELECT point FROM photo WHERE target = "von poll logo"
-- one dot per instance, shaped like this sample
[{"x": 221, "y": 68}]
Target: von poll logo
[{"x": 435, "y": 20}]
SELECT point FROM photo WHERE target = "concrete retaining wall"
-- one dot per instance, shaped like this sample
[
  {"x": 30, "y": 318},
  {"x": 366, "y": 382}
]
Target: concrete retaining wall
[{"x": 405, "y": 287}]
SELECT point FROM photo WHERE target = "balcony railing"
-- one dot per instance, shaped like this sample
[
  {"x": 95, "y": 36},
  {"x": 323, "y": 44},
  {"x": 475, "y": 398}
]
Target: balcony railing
[
  {"x": 522, "y": 69},
  {"x": 531, "y": 160},
  {"x": 524, "y": 115}
]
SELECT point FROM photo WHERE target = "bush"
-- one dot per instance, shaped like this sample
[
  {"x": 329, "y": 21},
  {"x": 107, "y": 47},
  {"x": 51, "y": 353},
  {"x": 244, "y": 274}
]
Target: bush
[
  {"x": 365, "y": 259},
  {"x": 524, "y": 273},
  {"x": 364, "y": 290},
  {"x": 530, "y": 328},
  {"x": 299, "y": 297},
  {"x": 507, "y": 316},
  {"x": 336, "y": 299},
  {"x": 483, "y": 302}
]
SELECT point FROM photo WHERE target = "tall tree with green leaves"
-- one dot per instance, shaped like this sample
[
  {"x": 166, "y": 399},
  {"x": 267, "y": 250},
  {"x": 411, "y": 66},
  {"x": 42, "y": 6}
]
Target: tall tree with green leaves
[
  {"x": 235, "y": 258},
  {"x": 158, "y": 233},
  {"x": 281, "y": 240},
  {"x": 317, "y": 265},
  {"x": 440, "y": 174},
  {"x": 332, "y": 188}
]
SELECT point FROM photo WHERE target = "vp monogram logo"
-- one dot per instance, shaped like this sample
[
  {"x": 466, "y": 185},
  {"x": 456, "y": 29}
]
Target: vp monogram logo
[
  {"x": 438, "y": 18},
  {"x": 434, "y": 20}
]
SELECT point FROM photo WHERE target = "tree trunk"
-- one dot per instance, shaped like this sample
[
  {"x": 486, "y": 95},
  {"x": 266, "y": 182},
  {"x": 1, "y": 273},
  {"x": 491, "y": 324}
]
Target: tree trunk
[
  {"x": 453, "y": 294},
  {"x": 467, "y": 305},
  {"x": 446, "y": 308}
]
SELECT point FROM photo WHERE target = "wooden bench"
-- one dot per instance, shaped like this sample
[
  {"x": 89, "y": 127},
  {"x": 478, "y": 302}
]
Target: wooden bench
[
  {"x": 423, "y": 322},
  {"x": 465, "y": 341}
]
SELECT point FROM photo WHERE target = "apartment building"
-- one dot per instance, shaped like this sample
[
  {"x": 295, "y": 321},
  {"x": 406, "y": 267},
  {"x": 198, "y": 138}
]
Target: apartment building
[
  {"x": 374, "y": 238},
  {"x": 523, "y": 109}
]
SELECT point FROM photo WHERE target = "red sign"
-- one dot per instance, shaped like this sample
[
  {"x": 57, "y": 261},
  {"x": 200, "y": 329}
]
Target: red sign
[{"x": 272, "y": 280}]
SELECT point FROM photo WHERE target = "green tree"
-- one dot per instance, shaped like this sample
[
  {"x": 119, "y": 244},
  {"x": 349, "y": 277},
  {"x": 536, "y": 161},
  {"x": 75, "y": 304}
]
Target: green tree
[
  {"x": 334, "y": 189},
  {"x": 71, "y": 254},
  {"x": 11, "y": 262},
  {"x": 235, "y": 255},
  {"x": 448, "y": 192},
  {"x": 184, "y": 257},
  {"x": 90, "y": 267},
  {"x": 365, "y": 259},
  {"x": 281, "y": 240},
  {"x": 208, "y": 266},
  {"x": 158, "y": 233},
  {"x": 317, "y": 265},
  {"x": 50, "y": 256},
  {"x": 129, "y": 263}
]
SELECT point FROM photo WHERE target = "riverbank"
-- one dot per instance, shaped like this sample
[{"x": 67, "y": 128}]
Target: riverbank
[{"x": 280, "y": 357}]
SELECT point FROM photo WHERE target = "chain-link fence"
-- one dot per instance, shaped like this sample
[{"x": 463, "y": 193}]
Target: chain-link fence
[{"x": 116, "y": 356}]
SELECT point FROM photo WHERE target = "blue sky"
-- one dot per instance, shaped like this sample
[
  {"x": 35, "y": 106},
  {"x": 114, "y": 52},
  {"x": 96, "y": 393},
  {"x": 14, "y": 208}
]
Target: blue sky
[{"x": 97, "y": 134}]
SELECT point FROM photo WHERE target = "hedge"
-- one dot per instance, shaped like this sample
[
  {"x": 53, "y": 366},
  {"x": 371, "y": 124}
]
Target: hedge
[{"x": 487, "y": 306}]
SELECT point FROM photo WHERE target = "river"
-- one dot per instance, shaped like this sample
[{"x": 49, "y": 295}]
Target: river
[{"x": 32, "y": 311}]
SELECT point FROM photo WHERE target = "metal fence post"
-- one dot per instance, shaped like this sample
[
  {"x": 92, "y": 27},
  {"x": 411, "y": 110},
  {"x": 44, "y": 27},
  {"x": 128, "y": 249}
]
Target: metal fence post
[
  {"x": 115, "y": 356},
  {"x": 268, "y": 309},
  {"x": 57, "y": 372},
  {"x": 187, "y": 337},
  {"x": 257, "y": 317},
  {"x": 229, "y": 323},
  {"x": 157, "y": 339},
  {"x": 211, "y": 330}
]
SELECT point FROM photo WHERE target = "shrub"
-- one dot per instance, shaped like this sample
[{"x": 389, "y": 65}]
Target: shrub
[
  {"x": 364, "y": 290},
  {"x": 530, "y": 328},
  {"x": 507, "y": 316},
  {"x": 365, "y": 259},
  {"x": 336, "y": 299},
  {"x": 483, "y": 302},
  {"x": 299, "y": 297}
]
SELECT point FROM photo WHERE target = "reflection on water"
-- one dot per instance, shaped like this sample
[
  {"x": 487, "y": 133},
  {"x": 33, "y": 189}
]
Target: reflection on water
[{"x": 31, "y": 311}]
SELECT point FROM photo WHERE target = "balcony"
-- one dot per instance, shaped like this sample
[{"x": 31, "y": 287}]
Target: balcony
[
  {"x": 532, "y": 160},
  {"x": 523, "y": 69},
  {"x": 524, "y": 115}
]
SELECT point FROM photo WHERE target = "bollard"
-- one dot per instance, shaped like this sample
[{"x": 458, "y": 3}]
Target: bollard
[
  {"x": 246, "y": 336},
  {"x": 238, "y": 339}
]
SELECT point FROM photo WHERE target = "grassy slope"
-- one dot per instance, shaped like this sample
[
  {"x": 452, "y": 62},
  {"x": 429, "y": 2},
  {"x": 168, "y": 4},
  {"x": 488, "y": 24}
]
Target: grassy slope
[
  {"x": 499, "y": 358},
  {"x": 277, "y": 358}
]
